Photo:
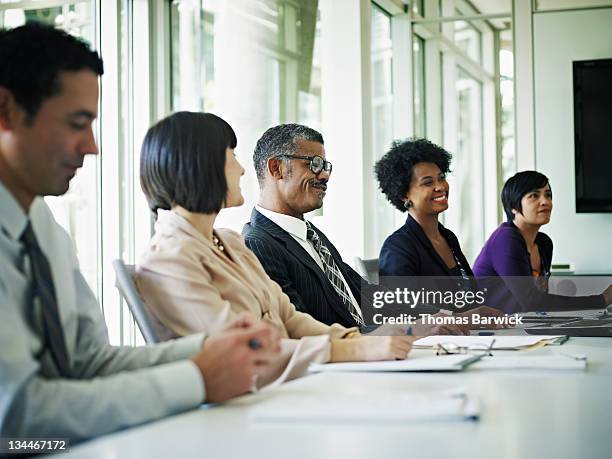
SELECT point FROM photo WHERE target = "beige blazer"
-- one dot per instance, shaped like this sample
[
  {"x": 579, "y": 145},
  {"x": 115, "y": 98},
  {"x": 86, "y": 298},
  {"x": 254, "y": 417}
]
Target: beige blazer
[{"x": 190, "y": 286}]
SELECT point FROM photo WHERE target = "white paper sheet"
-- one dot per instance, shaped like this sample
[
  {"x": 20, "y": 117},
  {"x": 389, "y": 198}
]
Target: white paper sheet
[{"x": 383, "y": 405}]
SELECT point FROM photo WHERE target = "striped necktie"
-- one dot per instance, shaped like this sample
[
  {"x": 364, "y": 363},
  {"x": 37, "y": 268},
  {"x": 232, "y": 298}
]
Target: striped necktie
[
  {"x": 45, "y": 291},
  {"x": 332, "y": 272}
]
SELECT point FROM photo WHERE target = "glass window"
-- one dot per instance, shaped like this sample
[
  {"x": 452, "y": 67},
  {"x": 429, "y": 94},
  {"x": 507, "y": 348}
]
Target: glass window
[
  {"x": 104, "y": 202},
  {"x": 78, "y": 208},
  {"x": 468, "y": 165},
  {"x": 382, "y": 223},
  {"x": 309, "y": 95},
  {"x": 418, "y": 85},
  {"x": 506, "y": 86},
  {"x": 461, "y": 111},
  {"x": 468, "y": 39},
  {"x": 255, "y": 63},
  {"x": 417, "y": 8}
]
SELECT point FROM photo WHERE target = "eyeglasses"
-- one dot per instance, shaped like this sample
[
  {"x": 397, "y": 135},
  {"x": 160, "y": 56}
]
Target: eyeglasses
[
  {"x": 317, "y": 164},
  {"x": 452, "y": 348}
]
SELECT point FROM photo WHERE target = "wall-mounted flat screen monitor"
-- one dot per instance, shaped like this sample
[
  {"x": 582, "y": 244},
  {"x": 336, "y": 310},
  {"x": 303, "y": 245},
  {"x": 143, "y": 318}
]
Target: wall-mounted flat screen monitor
[{"x": 593, "y": 135}]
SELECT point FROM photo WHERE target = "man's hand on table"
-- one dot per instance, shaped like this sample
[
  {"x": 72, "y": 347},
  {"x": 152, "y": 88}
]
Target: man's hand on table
[{"x": 231, "y": 359}]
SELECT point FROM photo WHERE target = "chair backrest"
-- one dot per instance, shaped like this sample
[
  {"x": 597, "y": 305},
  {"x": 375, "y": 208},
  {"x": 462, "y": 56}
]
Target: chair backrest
[
  {"x": 368, "y": 269},
  {"x": 127, "y": 288}
]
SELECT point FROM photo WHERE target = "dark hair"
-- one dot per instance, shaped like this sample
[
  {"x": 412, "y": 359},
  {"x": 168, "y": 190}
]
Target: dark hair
[
  {"x": 32, "y": 57},
  {"x": 278, "y": 140},
  {"x": 518, "y": 186},
  {"x": 394, "y": 170},
  {"x": 182, "y": 162}
]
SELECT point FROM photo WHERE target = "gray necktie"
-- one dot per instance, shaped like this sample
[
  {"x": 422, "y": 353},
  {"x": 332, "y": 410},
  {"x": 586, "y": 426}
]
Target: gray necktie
[
  {"x": 45, "y": 290},
  {"x": 332, "y": 272}
]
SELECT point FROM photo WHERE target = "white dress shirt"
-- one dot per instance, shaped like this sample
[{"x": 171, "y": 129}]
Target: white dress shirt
[
  {"x": 297, "y": 229},
  {"x": 109, "y": 387}
]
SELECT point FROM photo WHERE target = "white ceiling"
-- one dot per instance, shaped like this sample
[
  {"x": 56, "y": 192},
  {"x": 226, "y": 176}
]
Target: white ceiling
[
  {"x": 495, "y": 7},
  {"x": 505, "y": 6}
]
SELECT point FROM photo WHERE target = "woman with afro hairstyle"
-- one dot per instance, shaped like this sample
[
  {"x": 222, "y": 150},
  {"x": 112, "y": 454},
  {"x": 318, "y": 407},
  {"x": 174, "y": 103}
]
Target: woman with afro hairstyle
[{"x": 412, "y": 175}]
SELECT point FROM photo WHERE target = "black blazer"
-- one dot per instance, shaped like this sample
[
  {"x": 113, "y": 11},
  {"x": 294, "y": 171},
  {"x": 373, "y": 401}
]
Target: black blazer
[
  {"x": 408, "y": 252},
  {"x": 300, "y": 277}
]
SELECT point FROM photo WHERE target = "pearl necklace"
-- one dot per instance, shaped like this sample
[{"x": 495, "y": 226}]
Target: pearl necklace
[{"x": 218, "y": 243}]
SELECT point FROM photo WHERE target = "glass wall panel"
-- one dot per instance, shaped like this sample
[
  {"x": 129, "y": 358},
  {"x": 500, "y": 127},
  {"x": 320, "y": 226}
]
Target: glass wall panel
[
  {"x": 309, "y": 95},
  {"x": 468, "y": 165},
  {"x": 255, "y": 63},
  {"x": 104, "y": 202},
  {"x": 506, "y": 86},
  {"x": 418, "y": 85},
  {"x": 382, "y": 212},
  {"x": 461, "y": 109},
  {"x": 77, "y": 210},
  {"x": 468, "y": 39}
]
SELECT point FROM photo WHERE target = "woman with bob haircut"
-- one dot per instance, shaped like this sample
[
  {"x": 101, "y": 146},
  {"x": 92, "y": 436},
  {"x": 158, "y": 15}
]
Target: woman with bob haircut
[
  {"x": 412, "y": 175},
  {"x": 516, "y": 259},
  {"x": 197, "y": 278}
]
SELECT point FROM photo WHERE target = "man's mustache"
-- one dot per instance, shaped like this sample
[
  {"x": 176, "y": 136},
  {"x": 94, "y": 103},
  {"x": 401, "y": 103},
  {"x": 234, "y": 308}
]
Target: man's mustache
[{"x": 322, "y": 184}]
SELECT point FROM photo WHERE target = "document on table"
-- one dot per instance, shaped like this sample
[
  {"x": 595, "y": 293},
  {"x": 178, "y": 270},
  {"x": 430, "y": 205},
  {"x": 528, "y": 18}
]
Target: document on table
[
  {"x": 454, "y": 362},
  {"x": 522, "y": 361},
  {"x": 502, "y": 342},
  {"x": 355, "y": 405}
]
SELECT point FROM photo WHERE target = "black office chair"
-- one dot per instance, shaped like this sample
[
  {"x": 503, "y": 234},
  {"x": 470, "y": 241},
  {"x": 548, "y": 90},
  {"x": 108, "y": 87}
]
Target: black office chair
[
  {"x": 368, "y": 269},
  {"x": 126, "y": 286}
]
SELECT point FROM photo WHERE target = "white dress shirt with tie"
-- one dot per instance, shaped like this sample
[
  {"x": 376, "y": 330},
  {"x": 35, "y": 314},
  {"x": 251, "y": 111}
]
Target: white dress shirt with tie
[
  {"x": 108, "y": 387},
  {"x": 297, "y": 229}
]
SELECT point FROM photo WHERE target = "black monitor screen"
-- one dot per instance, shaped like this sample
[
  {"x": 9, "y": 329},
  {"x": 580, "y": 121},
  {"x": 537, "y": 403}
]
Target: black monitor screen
[{"x": 593, "y": 135}]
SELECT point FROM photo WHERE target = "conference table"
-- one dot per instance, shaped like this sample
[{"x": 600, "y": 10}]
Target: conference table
[{"x": 524, "y": 414}]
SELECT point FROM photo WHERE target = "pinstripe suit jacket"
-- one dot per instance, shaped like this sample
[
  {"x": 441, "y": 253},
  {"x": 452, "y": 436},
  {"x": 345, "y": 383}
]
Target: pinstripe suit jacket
[{"x": 287, "y": 263}]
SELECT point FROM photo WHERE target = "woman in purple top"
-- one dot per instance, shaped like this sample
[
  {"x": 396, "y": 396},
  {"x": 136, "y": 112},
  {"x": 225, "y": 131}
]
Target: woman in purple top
[{"x": 515, "y": 261}]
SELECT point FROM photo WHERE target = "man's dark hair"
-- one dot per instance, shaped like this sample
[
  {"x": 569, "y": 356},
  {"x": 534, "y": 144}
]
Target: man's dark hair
[
  {"x": 518, "y": 186},
  {"x": 394, "y": 170},
  {"x": 182, "y": 162},
  {"x": 279, "y": 140},
  {"x": 32, "y": 57}
]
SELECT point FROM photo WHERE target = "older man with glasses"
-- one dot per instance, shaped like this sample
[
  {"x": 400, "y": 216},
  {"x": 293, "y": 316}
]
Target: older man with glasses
[{"x": 293, "y": 173}]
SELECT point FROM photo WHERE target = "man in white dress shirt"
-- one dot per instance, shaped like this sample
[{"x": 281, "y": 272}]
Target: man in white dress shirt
[{"x": 59, "y": 377}]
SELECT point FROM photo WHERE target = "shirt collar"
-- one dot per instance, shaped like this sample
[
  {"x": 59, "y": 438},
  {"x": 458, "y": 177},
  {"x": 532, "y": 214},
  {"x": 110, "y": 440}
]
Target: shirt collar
[
  {"x": 294, "y": 226},
  {"x": 14, "y": 219}
]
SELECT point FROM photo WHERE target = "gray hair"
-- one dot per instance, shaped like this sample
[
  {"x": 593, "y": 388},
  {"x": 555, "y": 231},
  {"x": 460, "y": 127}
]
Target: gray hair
[{"x": 280, "y": 140}]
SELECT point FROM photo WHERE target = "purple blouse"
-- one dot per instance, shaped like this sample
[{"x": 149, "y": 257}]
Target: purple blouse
[{"x": 504, "y": 268}]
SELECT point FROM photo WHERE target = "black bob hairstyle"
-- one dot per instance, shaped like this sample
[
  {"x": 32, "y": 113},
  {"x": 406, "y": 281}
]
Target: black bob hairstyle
[
  {"x": 394, "y": 170},
  {"x": 518, "y": 186},
  {"x": 182, "y": 162},
  {"x": 32, "y": 57}
]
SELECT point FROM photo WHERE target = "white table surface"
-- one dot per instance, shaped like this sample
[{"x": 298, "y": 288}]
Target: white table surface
[{"x": 525, "y": 414}]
